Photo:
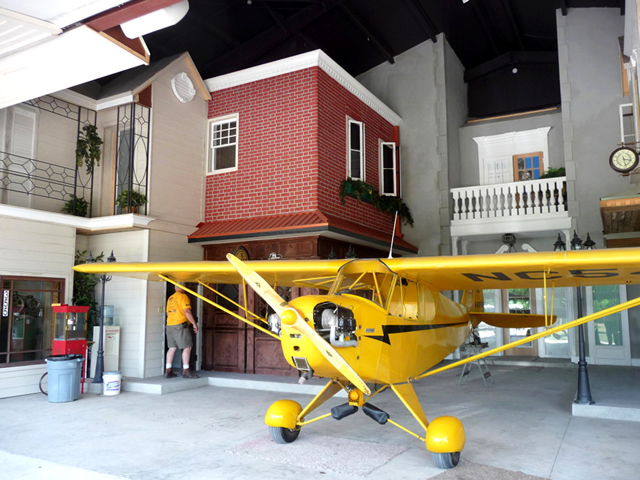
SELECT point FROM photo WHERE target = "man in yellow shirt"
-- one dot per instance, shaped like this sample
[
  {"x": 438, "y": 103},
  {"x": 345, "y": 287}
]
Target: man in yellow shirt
[{"x": 179, "y": 319}]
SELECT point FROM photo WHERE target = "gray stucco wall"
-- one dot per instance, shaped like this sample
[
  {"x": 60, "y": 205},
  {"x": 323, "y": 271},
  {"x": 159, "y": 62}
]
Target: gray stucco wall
[
  {"x": 415, "y": 87},
  {"x": 591, "y": 90}
]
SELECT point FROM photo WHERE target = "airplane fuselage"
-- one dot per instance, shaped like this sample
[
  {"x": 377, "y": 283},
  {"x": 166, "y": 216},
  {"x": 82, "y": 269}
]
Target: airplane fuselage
[{"x": 391, "y": 344}]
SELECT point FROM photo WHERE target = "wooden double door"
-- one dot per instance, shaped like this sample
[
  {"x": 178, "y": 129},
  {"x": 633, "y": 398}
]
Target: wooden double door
[{"x": 230, "y": 345}]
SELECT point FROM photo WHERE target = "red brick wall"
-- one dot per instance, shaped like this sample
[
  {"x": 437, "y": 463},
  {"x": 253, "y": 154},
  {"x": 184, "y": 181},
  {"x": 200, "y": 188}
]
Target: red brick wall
[
  {"x": 292, "y": 153},
  {"x": 277, "y": 148},
  {"x": 335, "y": 104}
]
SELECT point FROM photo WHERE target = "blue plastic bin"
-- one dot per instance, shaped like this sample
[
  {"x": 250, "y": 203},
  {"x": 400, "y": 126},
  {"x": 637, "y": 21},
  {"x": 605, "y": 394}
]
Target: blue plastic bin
[{"x": 65, "y": 375}]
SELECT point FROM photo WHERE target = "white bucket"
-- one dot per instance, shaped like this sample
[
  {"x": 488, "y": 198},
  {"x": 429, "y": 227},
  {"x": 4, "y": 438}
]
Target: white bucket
[{"x": 111, "y": 383}]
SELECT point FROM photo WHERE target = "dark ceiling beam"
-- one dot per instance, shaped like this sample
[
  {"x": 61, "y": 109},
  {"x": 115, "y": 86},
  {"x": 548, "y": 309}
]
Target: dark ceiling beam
[
  {"x": 484, "y": 22},
  {"x": 563, "y": 6},
  {"x": 423, "y": 19},
  {"x": 510, "y": 60},
  {"x": 208, "y": 27},
  {"x": 622, "y": 7},
  {"x": 514, "y": 25},
  {"x": 244, "y": 55},
  {"x": 279, "y": 19},
  {"x": 372, "y": 36}
]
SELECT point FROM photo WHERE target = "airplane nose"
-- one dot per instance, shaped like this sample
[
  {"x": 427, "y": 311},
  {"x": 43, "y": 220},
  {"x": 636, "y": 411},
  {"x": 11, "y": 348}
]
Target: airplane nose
[{"x": 288, "y": 317}]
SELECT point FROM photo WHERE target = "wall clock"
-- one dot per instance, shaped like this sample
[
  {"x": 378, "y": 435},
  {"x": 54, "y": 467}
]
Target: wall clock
[
  {"x": 623, "y": 159},
  {"x": 242, "y": 253}
]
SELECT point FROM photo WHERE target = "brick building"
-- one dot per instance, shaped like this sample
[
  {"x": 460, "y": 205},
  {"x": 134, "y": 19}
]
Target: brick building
[{"x": 282, "y": 139}]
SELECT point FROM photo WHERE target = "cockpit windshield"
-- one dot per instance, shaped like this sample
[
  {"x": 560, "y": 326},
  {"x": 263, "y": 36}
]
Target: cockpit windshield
[{"x": 369, "y": 276}]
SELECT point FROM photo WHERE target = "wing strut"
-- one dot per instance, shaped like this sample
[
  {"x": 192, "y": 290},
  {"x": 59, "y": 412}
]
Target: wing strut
[
  {"x": 292, "y": 318},
  {"x": 565, "y": 326},
  {"x": 225, "y": 310}
]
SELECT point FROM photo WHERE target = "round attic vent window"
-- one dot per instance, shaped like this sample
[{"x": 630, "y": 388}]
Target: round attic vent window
[{"x": 182, "y": 87}]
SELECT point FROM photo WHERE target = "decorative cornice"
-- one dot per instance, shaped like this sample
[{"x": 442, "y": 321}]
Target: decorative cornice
[{"x": 317, "y": 58}]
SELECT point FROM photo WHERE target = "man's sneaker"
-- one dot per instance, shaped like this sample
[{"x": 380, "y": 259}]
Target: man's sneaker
[
  {"x": 189, "y": 374},
  {"x": 168, "y": 373}
]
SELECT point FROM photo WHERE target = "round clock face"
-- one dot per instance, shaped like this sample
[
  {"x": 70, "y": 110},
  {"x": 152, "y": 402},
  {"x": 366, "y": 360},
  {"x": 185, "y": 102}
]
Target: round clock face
[
  {"x": 623, "y": 159},
  {"x": 242, "y": 253}
]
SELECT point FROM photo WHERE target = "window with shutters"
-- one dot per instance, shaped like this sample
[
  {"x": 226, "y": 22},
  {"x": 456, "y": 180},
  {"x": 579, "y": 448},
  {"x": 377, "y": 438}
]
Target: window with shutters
[
  {"x": 388, "y": 184},
  {"x": 355, "y": 150}
]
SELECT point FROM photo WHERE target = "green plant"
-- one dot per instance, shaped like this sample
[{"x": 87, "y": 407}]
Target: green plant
[
  {"x": 136, "y": 199},
  {"x": 357, "y": 189},
  {"x": 75, "y": 206},
  {"x": 384, "y": 203},
  {"x": 88, "y": 148},
  {"x": 84, "y": 289},
  {"x": 554, "y": 172}
]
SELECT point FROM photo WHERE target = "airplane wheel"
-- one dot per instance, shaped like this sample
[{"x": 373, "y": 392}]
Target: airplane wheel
[
  {"x": 446, "y": 460},
  {"x": 283, "y": 435}
]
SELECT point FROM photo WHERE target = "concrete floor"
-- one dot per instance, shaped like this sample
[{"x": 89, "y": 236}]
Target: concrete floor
[{"x": 522, "y": 423}]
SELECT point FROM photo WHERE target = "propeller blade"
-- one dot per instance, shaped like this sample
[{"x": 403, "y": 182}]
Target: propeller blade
[{"x": 292, "y": 318}]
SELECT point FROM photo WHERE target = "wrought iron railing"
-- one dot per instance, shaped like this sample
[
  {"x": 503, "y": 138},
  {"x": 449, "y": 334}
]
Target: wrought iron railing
[
  {"x": 518, "y": 199},
  {"x": 30, "y": 177}
]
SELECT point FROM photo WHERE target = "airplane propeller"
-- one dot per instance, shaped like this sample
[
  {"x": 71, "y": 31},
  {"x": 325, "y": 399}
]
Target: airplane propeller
[{"x": 292, "y": 318}]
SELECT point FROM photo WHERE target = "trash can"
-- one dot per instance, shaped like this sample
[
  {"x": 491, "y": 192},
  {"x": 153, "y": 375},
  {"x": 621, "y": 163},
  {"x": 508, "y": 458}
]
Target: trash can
[{"x": 65, "y": 374}]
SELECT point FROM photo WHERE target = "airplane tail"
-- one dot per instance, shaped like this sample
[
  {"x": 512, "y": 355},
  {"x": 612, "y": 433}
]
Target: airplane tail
[
  {"x": 512, "y": 320},
  {"x": 474, "y": 301}
]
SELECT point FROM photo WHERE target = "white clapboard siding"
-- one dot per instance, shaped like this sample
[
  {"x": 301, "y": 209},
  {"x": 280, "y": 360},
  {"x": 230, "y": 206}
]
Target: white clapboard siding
[
  {"x": 24, "y": 380},
  {"x": 178, "y": 153},
  {"x": 127, "y": 295},
  {"x": 33, "y": 249}
]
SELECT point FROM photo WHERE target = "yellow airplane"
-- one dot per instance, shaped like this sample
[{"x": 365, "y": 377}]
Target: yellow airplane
[{"x": 385, "y": 322}]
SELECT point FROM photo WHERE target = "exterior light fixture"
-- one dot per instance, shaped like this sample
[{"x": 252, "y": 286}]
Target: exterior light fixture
[
  {"x": 576, "y": 242},
  {"x": 560, "y": 245}
]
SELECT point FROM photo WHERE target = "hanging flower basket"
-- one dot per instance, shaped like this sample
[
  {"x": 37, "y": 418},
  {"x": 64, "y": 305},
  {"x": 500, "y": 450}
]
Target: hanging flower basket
[{"x": 367, "y": 193}]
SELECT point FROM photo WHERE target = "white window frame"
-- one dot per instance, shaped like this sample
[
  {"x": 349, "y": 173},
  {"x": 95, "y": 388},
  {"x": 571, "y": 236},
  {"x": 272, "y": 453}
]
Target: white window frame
[
  {"x": 495, "y": 152},
  {"x": 392, "y": 145},
  {"x": 627, "y": 137},
  {"x": 350, "y": 121},
  {"x": 218, "y": 121}
]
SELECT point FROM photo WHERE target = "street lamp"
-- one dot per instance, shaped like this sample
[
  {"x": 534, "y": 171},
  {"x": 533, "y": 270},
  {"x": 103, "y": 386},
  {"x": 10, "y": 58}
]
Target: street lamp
[
  {"x": 100, "y": 358},
  {"x": 583, "y": 396}
]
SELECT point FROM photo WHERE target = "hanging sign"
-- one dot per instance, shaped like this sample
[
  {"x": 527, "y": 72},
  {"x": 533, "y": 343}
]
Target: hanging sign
[{"x": 5, "y": 303}]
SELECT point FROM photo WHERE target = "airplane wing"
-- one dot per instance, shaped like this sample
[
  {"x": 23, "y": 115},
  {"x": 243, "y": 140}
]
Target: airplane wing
[
  {"x": 523, "y": 270},
  {"x": 511, "y": 270},
  {"x": 280, "y": 272}
]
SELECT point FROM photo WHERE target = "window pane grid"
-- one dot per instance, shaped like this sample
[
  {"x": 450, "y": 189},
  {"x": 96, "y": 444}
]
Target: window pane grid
[{"x": 224, "y": 141}]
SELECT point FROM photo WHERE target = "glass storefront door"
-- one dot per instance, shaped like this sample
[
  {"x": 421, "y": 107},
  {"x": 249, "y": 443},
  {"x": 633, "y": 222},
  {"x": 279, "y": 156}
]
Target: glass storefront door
[{"x": 609, "y": 336}]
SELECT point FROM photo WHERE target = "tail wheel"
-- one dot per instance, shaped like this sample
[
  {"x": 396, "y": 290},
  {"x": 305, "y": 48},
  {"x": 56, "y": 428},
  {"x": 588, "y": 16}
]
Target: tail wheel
[
  {"x": 283, "y": 435},
  {"x": 446, "y": 460}
]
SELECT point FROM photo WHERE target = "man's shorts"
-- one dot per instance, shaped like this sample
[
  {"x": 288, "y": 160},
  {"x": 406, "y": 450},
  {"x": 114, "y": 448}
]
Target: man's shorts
[{"x": 179, "y": 336}]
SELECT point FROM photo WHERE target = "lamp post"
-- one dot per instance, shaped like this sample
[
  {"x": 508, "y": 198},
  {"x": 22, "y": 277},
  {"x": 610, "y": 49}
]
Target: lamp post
[
  {"x": 583, "y": 395},
  {"x": 100, "y": 358}
]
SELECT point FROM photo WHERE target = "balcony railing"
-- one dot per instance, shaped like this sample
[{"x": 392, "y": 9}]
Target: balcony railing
[
  {"x": 527, "y": 199},
  {"x": 24, "y": 179}
]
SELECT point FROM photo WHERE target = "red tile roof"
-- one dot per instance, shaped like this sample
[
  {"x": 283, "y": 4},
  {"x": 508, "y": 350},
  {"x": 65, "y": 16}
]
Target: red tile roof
[{"x": 295, "y": 223}]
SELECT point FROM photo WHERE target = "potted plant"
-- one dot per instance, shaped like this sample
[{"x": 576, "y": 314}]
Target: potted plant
[
  {"x": 554, "y": 172},
  {"x": 76, "y": 206},
  {"x": 130, "y": 198},
  {"x": 356, "y": 189},
  {"x": 88, "y": 148}
]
